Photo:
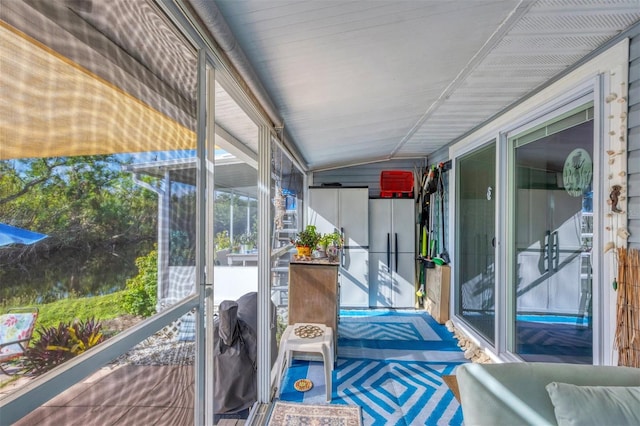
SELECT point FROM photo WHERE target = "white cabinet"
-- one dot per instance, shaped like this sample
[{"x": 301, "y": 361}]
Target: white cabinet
[
  {"x": 549, "y": 247},
  {"x": 345, "y": 210},
  {"x": 392, "y": 253}
]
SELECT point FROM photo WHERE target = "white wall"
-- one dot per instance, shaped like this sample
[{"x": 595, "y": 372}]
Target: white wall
[{"x": 230, "y": 282}]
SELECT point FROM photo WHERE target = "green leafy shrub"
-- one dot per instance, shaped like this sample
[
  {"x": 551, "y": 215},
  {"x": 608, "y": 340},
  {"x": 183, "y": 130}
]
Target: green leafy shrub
[
  {"x": 140, "y": 295},
  {"x": 222, "y": 240},
  {"x": 59, "y": 344}
]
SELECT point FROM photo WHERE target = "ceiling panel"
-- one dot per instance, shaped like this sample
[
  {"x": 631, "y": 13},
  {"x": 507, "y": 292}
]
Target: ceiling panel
[
  {"x": 548, "y": 39},
  {"x": 360, "y": 81},
  {"x": 350, "y": 79}
]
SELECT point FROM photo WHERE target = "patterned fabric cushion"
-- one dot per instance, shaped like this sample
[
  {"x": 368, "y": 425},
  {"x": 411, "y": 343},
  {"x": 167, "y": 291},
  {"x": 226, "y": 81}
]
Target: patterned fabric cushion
[{"x": 15, "y": 327}]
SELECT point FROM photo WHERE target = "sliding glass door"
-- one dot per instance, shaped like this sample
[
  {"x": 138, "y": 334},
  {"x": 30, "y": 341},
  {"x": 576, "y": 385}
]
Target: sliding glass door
[
  {"x": 476, "y": 177},
  {"x": 551, "y": 205}
]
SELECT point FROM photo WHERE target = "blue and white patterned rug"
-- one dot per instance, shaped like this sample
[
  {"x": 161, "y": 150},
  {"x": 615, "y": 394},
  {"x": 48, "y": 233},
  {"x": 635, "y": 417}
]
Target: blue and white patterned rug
[{"x": 390, "y": 363}]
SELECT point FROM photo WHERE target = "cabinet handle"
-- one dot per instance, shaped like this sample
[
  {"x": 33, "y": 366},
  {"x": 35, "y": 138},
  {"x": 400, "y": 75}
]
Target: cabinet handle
[
  {"x": 396, "y": 262},
  {"x": 388, "y": 251},
  {"x": 344, "y": 248},
  {"x": 547, "y": 251},
  {"x": 556, "y": 251}
]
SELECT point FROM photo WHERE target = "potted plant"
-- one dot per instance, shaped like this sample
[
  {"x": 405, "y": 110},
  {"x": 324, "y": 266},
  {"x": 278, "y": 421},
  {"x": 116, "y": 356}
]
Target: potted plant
[
  {"x": 247, "y": 242},
  {"x": 330, "y": 242},
  {"x": 333, "y": 243},
  {"x": 306, "y": 240}
]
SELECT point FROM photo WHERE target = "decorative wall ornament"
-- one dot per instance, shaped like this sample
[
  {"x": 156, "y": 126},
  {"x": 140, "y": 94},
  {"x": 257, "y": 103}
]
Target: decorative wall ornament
[
  {"x": 615, "y": 219},
  {"x": 614, "y": 198},
  {"x": 623, "y": 233},
  {"x": 616, "y": 166},
  {"x": 608, "y": 247},
  {"x": 279, "y": 204},
  {"x": 577, "y": 172}
]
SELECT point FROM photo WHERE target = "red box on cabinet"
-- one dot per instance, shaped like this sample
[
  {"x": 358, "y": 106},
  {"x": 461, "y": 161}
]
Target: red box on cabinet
[{"x": 396, "y": 183}]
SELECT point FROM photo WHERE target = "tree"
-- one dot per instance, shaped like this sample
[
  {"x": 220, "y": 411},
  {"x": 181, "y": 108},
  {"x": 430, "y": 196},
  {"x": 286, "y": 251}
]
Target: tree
[
  {"x": 92, "y": 211},
  {"x": 80, "y": 201},
  {"x": 140, "y": 296}
]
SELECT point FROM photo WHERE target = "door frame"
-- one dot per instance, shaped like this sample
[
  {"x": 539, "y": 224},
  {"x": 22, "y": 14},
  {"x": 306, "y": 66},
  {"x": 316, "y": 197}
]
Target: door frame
[
  {"x": 581, "y": 95},
  {"x": 463, "y": 154},
  {"x": 606, "y": 75}
]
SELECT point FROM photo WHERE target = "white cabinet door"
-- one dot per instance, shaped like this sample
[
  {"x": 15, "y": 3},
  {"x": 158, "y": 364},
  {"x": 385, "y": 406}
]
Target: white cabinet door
[
  {"x": 404, "y": 259},
  {"x": 353, "y": 216},
  {"x": 391, "y": 287},
  {"x": 379, "y": 281},
  {"x": 354, "y": 283},
  {"x": 403, "y": 225},
  {"x": 347, "y": 209},
  {"x": 322, "y": 209},
  {"x": 392, "y": 253},
  {"x": 380, "y": 229},
  {"x": 403, "y": 286}
]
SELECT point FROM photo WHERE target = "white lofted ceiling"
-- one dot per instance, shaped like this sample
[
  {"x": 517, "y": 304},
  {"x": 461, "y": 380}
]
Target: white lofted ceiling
[{"x": 360, "y": 81}]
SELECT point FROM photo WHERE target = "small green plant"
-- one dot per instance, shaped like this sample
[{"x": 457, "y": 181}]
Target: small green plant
[
  {"x": 140, "y": 297},
  {"x": 59, "y": 344},
  {"x": 309, "y": 237},
  {"x": 332, "y": 239}
]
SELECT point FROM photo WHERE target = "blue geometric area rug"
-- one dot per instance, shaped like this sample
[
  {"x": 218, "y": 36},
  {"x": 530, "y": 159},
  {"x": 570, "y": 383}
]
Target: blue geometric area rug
[{"x": 390, "y": 363}]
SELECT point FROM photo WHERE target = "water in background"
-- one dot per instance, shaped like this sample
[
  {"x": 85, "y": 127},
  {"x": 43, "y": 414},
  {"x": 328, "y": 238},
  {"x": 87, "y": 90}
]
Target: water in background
[{"x": 61, "y": 274}]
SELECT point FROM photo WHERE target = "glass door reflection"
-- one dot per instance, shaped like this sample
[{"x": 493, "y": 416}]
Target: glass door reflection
[
  {"x": 553, "y": 234},
  {"x": 476, "y": 240}
]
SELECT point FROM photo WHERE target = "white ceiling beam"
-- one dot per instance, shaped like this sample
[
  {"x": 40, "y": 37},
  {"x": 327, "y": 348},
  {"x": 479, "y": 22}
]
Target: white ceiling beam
[{"x": 233, "y": 146}]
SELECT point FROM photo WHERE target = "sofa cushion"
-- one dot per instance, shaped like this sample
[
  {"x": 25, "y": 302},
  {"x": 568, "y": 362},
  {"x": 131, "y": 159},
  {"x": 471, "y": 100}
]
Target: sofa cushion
[
  {"x": 595, "y": 405},
  {"x": 515, "y": 394}
]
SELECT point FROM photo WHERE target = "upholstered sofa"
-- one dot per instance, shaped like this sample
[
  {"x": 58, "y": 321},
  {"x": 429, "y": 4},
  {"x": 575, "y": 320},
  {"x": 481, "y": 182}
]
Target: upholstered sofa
[{"x": 548, "y": 394}]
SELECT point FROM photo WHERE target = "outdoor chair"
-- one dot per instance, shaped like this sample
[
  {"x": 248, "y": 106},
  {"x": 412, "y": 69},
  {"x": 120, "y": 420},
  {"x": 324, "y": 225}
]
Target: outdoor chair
[{"x": 16, "y": 328}]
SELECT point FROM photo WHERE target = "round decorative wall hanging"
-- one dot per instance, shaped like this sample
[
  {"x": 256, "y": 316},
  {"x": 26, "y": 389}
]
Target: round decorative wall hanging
[{"x": 577, "y": 172}]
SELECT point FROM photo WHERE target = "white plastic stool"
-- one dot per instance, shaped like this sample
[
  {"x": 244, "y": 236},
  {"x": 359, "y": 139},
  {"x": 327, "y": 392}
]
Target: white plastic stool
[{"x": 323, "y": 344}]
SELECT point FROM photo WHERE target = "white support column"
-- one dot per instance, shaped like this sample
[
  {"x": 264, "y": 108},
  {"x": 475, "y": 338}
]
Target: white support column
[
  {"x": 264, "y": 264},
  {"x": 203, "y": 366},
  {"x": 164, "y": 219},
  {"x": 209, "y": 243},
  {"x": 231, "y": 200},
  {"x": 248, "y": 231}
]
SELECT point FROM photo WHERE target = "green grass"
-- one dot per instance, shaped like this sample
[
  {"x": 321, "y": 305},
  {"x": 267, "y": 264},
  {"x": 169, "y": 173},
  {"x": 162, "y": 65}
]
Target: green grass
[
  {"x": 99, "y": 307},
  {"x": 52, "y": 314}
]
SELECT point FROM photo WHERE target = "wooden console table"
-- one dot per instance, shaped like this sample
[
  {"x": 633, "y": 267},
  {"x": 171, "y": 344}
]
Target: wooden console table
[{"x": 313, "y": 294}]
